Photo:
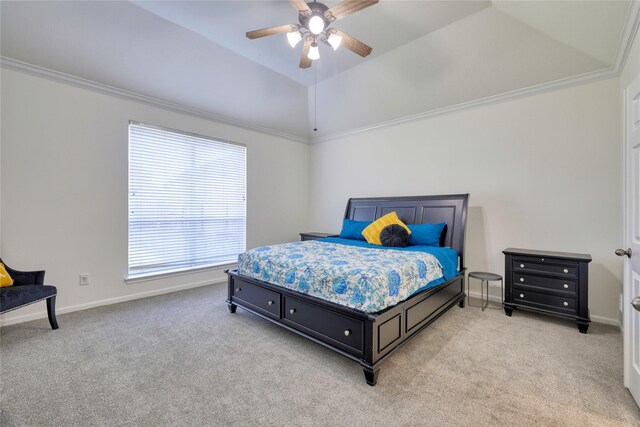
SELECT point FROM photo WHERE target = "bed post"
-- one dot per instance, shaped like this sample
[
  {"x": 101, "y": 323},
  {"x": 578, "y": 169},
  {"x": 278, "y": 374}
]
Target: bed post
[
  {"x": 231, "y": 305},
  {"x": 371, "y": 375}
]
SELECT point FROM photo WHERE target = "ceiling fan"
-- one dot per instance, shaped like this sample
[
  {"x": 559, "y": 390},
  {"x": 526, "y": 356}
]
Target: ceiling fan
[{"x": 315, "y": 18}]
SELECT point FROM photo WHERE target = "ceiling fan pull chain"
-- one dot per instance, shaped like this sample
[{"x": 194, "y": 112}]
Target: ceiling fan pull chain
[{"x": 315, "y": 98}]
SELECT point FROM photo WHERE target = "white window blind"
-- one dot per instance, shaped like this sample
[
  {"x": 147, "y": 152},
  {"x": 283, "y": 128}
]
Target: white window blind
[{"x": 187, "y": 204}]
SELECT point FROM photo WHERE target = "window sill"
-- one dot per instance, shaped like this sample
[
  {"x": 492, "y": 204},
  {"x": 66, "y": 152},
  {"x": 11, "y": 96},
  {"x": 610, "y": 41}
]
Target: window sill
[{"x": 173, "y": 273}]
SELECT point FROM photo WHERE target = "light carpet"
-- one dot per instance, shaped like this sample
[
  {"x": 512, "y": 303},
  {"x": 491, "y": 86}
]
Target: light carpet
[{"x": 183, "y": 359}]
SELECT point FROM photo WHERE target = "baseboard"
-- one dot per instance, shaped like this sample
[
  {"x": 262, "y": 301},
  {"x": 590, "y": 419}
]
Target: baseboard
[
  {"x": 606, "y": 321},
  {"x": 492, "y": 298},
  {"x": 85, "y": 306},
  {"x": 140, "y": 295},
  {"x": 595, "y": 319}
]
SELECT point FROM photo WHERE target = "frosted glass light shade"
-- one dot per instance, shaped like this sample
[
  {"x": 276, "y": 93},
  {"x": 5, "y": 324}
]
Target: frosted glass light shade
[
  {"x": 334, "y": 40},
  {"x": 316, "y": 24},
  {"x": 294, "y": 38},
  {"x": 314, "y": 52}
]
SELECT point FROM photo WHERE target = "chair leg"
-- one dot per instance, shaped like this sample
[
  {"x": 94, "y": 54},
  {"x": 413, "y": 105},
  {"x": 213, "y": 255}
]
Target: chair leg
[{"x": 51, "y": 312}]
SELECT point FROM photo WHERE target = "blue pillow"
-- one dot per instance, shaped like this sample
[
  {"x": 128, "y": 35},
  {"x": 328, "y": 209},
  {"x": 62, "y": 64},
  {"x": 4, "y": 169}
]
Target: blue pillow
[
  {"x": 425, "y": 234},
  {"x": 353, "y": 229}
]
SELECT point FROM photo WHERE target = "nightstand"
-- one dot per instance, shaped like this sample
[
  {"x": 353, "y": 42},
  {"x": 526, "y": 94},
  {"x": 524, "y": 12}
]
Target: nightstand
[
  {"x": 314, "y": 235},
  {"x": 548, "y": 282}
]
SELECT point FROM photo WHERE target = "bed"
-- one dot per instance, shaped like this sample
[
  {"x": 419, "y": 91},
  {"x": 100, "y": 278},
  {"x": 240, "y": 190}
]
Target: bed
[{"x": 368, "y": 338}]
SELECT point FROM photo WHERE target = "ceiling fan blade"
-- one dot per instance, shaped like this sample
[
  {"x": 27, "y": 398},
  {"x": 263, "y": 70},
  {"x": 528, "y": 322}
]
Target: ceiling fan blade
[
  {"x": 301, "y": 6},
  {"x": 353, "y": 44},
  {"x": 305, "y": 62},
  {"x": 256, "y": 34},
  {"x": 346, "y": 8}
]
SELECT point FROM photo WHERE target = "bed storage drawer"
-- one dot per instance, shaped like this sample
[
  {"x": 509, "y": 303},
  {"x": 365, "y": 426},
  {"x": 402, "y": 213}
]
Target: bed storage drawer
[
  {"x": 342, "y": 331},
  {"x": 258, "y": 298}
]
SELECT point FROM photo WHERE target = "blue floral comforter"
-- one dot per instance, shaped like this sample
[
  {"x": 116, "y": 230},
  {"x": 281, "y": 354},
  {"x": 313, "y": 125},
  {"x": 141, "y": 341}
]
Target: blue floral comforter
[{"x": 363, "y": 278}]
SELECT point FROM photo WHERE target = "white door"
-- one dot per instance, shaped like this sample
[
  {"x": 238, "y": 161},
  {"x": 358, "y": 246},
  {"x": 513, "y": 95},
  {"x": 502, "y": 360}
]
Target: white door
[{"x": 631, "y": 290}]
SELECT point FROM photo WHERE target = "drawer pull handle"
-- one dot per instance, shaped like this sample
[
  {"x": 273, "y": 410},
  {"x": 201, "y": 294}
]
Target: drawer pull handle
[
  {"x": 566, "y": 304},
  {"x": 521, "y": 265},
  {"x": 565, "y": 270},
  {"x": 347, "y": 332},
  {"x": 293, "y": 310},
  {"x": 270, "y": 303},
  {"x": 238, "y": 289},
  {"x": 521, "y": 295},
  {"x": 522, "y": 279},
  {"x": 541, "y": 259},
  {"x": 566, "y": 286}
]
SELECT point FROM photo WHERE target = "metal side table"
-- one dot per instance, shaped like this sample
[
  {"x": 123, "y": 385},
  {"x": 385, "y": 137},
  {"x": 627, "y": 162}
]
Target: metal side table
[{"x": 485, "y": 278}]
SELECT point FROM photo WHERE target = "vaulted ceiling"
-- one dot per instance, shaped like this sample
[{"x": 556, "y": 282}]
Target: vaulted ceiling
[{"x": 428, "y": 56}]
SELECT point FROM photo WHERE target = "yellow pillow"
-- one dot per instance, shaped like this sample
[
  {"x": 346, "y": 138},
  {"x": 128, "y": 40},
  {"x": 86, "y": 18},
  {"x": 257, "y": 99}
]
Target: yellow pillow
[
  {"x": 372, "y": 232},
  {"x": 5, "y": 279}
]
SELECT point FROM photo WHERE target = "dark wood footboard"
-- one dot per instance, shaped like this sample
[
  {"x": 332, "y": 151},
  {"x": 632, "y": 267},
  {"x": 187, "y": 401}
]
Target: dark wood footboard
[{"x": 366, "y": 338}]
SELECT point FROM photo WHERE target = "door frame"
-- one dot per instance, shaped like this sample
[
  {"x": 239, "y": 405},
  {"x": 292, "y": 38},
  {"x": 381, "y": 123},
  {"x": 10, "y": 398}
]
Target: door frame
[{"x": 627, "y": 187}]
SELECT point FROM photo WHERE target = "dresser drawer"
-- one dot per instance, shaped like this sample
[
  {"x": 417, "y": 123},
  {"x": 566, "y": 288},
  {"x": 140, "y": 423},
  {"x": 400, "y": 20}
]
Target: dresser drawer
[
  {"x": 565, "y": 285},
  {"x": 529, "y": 265},
  {"x": 316, "y": 320},
  {"x": 556, "y": 302},
  {"x": 264, "y": 300}
]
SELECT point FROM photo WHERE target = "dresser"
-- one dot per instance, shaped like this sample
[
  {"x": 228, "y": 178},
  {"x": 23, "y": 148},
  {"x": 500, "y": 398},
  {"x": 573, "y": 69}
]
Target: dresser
[{"x": 554, "y": 283}]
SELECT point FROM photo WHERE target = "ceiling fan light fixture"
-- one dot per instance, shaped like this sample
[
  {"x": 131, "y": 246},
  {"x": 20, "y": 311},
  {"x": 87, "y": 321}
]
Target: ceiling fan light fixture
[
  {"x": 316, "y": 24},
  {"x": 314, "y": 52},
  {"x": 334, "y": 40},
  {"x": 294, "y": 38},
  {"x": 314, "y": 20}
]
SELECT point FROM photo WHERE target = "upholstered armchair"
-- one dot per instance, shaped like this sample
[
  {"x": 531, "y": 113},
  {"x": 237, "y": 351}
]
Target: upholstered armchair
[{"x": 28, "y": 287}]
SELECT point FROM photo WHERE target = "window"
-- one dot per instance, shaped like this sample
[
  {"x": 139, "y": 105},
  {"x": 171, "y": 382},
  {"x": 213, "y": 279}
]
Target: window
[{"x": 187, "y": 205}]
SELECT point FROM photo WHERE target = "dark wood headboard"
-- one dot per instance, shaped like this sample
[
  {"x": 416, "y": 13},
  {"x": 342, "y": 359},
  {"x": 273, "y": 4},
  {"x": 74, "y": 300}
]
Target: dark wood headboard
[{"x": 450, "y": 209}]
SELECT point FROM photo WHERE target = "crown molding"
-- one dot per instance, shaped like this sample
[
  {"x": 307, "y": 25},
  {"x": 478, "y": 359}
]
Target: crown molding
[
  {"x": 494, "y": 99},
  {"x": 628, "y": 35},
  {"x": 57, "y": 76},
  {"x": 626, "y": 40},
  {"x": 624, "y": 47}
]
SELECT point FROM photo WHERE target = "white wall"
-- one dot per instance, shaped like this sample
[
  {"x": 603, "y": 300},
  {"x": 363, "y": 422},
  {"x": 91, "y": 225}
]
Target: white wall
[
  {"x": 64, "y": 188},
  {"x": 543, "y": 173}
]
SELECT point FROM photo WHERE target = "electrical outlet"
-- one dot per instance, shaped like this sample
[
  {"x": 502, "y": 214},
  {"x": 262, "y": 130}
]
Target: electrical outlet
[
  {"x": 84, "y": 279},
  {"x": 620, "y": 303}
]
